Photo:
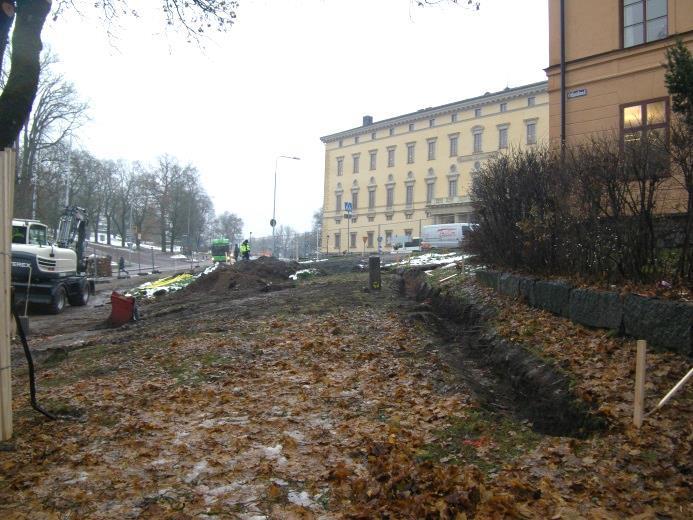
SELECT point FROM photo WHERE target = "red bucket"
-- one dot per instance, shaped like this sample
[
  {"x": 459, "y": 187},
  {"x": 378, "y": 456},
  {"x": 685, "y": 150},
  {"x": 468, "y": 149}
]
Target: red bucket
[{"x": 122, "y": 309}]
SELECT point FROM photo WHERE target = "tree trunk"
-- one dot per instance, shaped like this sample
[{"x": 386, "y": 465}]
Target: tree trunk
[
  {"x": 7, "y": 9},
  {"x": 18, "y": 96},
  {"x": 97, "y": 218}
]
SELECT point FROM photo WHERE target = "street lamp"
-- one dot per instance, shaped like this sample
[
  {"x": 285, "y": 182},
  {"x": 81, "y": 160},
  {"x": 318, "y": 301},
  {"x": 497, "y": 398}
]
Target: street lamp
[{"x": 273, "y": 222}]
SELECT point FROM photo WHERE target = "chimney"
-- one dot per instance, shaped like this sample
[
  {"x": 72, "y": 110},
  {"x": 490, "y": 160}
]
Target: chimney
[{"x": 367, "y": 120}]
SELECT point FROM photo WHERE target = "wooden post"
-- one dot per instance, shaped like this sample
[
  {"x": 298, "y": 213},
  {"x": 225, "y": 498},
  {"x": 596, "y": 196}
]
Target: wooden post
[
  {"x": 7, "y": 160},
  {"x": 639, "y": 401},
  {"x": 374, "y": 273}
]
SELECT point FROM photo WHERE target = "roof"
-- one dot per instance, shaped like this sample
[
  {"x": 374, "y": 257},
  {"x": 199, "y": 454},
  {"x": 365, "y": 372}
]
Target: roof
[{"x": 465, "y": 104}]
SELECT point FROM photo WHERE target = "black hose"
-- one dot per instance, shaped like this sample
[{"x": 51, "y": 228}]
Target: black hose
[{"x": 30, "y": 362}]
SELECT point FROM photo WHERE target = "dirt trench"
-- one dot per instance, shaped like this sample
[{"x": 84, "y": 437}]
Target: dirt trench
[{"x": 506, "y": 377}]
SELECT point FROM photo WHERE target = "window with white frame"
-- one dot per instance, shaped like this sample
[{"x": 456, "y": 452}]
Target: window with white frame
[
  {"x": 355, "y": 159},
  {"x": 503, "y": 107},
  {"x": 503, "y": 137},
  {"x": 454, "y": 139},
  {"x": 453, "y": 118},
  {"x": 411, "y": 127},
  {"x": 338, "y": 241},
  {"x": 390, "y": 196},
  {"x": 408, "y": 234},
  {"x": 354, "y": 200},
  {"x": 431, "y": 149},
  {"x": 373, "y": 156},
  {"x": 338, "y": 202},
  {"x": 410, "y": 152},
  {"x": 340, "y": 166},
  {"x": 531, "y": 101},
  {"x": 531, "y": 133},
  {"x": 452, "y": 187},
  {"x": 373, "y": 136},
  {"x": 392, "y": 131},
  {"x": 371, "y": 199},
  {"x": 391, "y": 157},
  {"x": 352, "y": 240},
  {"x": 410, "y": 196},
  {"x": 369, "y": 243},
  {"x": 388, "y": 237},
  {"x": 644, "y": 21},
  {"x": 432, "y": 122},
  {"x": 477, "y": 142},
  {"x": 477, "y": 112},
  {"x": 430, "y": 191}
]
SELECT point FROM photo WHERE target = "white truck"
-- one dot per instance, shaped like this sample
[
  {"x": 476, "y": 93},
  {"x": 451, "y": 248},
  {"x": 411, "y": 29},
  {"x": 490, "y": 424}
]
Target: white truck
[
  {"x": 444, "y": 236},
  {"x": 50, "y": 274}
]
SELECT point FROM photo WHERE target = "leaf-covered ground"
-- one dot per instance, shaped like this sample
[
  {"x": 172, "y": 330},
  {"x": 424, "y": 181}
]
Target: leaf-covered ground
[{"x": 322, "y": 402}]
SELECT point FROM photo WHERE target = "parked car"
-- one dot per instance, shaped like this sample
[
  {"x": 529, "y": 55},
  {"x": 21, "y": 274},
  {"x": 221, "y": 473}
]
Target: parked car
[{"x": 444, "y": 236}]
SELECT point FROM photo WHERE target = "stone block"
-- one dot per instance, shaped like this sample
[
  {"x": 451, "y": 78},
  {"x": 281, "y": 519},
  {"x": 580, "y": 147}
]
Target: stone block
[
  {"x": 526, "y": 290},
  {"x": 600, "y": 309},
  {"x": 552, "y": 296},
  {"x": 488, "y": 278},
  {"x": 509, "y": 284},
  {"x": 664, "y": 324}
]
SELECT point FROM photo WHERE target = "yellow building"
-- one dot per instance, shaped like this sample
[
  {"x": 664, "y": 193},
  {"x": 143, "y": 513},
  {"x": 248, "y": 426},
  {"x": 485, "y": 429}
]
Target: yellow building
[
  {"x": 614, "y": 53},
  {"x": 409, "y": 171}
]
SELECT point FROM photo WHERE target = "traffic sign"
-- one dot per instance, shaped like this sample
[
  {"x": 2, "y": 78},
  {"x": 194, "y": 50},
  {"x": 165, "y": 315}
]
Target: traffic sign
[
  {"x": 273, "y": 222},
  {"x": 348, "y": 207}
]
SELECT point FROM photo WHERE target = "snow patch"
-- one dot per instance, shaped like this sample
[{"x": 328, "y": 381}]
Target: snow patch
[
  {"x": 197, "y": 470},
  {"x": 300, "y": 499}
]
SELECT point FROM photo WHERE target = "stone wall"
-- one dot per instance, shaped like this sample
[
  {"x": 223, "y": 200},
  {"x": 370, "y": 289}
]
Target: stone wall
[{"x": 664, "y": 324}]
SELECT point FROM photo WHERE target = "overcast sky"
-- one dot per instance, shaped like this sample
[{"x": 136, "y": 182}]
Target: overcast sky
[{"x": 287, "y": 73}]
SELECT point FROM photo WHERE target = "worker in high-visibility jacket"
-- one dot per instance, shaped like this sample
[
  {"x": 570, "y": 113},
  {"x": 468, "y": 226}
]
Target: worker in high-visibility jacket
[{"x": 245, "y": 250}]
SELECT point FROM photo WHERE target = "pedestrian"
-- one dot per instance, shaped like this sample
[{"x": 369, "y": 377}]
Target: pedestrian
[
  {"x": 245, "y": 250},
  {"x": 236, "y": 252},
  {"x": 121, "y": 268}
]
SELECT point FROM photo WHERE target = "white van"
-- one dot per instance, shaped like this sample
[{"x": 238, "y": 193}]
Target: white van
[{"x": 444, "y": 236}]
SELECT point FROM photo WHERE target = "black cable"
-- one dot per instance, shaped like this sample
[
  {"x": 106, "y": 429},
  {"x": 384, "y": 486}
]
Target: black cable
[{"x": 30, "y": 362}]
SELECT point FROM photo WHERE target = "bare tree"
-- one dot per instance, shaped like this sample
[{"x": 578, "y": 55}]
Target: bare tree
[{"x": 230, "y": 225}]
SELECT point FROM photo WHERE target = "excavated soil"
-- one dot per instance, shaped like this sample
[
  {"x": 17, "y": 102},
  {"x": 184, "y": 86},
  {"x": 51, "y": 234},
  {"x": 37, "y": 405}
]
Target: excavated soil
[{"x": 262, "y": 274}]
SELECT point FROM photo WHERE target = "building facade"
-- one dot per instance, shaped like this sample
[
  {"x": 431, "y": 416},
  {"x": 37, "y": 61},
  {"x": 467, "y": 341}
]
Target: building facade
[
  {"x": 402, "y": 173},
  {"x": 614, "y": 53}
]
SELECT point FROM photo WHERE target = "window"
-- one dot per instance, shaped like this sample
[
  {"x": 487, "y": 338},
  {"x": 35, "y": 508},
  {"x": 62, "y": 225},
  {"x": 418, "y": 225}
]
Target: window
[
  {"x": 369, "y": 244},
  {"x": 453, "y": 145},
  {"x": 410, "y": 196},
  {"x": 477, "y": 166},
  {"x": 452, "y": 188},
  {"x": 338, "y": 202},
  {"x": 371, "y": 199},
  {"x": 531, "y": 101},
  {"x": 531, "y": 133},
  {"x": 352, "y": 240},
  {"x": 477, "y": 142},
  {"x": 390, "y": 157},
  {"x": 373, "y": 156},
  {"x": 392, "y": 131},
  {"x": 647, "y": 119},
  {"x": 644, "y": 21},
  {"x": 432, "y": 122},
  {"x": 356, "y": 162},
  {"x": 453, "y": 118},
  {"x": 373, "y": 136},
  {"x": 503, "y": 107},
  {"x": 429, "y": 192},
  {"x": 431, "y": 149},
  {"x": 410, "y": 153},
  {"x": 340, "y": 165},
  {"x": 411, "y": 127},
  {"x": 337, "y": 241},
  {"x": 477, "y": 112},
  {"x": 354, "y": 200},
  {"x": 388, "y": 237},
  {"x": 408, "y": 234},
  {"x": 356, "y": 140},
  {"x": 503, "y": 138},
  {"x": 340, "y": 143},
  {"x": 390, "y": 196}
]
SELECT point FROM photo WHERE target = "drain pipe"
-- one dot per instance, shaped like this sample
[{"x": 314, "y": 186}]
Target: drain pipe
[{"x": 562, "y": 15}]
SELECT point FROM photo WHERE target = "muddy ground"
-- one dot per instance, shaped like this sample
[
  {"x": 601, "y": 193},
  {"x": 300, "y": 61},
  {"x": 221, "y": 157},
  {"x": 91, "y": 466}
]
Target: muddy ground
[{"x": 319, "y": 400}]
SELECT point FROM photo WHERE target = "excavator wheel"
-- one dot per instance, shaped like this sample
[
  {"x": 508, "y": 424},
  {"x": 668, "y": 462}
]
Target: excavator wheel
[
  {"x": 59, "y": 300},
  {"x": 81, "y": 297}
]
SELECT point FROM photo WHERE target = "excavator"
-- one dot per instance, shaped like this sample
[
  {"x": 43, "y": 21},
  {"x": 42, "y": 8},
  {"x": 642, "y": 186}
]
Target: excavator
[{"x": 50, "y": 274}]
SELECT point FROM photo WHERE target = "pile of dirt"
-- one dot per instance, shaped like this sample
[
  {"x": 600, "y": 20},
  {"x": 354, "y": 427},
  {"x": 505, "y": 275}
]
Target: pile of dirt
[{"x": 263, "y": 274}]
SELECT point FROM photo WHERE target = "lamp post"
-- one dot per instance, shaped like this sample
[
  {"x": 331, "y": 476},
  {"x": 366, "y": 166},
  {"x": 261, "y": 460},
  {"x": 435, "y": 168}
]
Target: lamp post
[{"x": 273, "y": 222}]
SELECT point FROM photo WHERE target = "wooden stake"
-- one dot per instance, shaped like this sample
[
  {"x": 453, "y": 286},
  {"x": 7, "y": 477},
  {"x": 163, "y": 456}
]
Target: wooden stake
[
  {"x": 7, "y": 158},
  {"x": 639, "y": 401}
]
